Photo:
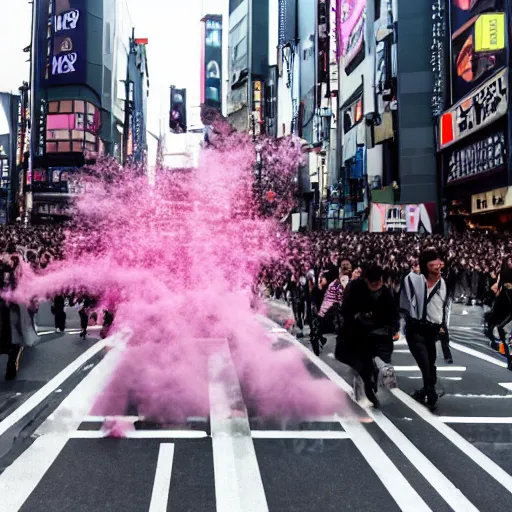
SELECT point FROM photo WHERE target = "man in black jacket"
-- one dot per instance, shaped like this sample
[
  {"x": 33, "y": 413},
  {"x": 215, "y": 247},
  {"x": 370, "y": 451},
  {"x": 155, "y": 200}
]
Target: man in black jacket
[{"x": 370, "y": 321}]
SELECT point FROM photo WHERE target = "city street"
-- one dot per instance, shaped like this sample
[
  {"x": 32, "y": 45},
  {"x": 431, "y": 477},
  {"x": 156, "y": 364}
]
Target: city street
[{"x": 54, "y": 455}]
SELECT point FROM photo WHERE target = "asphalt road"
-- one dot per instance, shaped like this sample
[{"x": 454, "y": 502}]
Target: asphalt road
[{"x": 56, "y": 457}]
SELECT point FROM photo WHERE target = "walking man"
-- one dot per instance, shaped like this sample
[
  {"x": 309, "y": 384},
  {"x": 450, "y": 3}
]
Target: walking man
[{"x": 424, "y": 303}]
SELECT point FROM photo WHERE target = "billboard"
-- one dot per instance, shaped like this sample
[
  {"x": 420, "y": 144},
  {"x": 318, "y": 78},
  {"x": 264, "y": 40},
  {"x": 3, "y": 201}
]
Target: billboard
[
  {"x": 482, "y": 107},
  {"x": 178, "y": 112},
  {"x": 478, "y": 43},
  {"x": 410, "y": 218},
  {"x": 211, "y": 73},
  {"x": 486, "y": 155},
  {"x": 67, "y": 44},
  {"x": 351, "y": 36}
]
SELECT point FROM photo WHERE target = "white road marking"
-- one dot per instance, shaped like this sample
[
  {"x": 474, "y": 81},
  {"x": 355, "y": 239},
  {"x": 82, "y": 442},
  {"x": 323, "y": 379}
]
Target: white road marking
[
  {"x": 472, "y": 395},
  {"x": 439, "y": 368},
  {"x": 238, "y": 483},
  {"x": 50, "y": 387},
  {"x": 401, "y": 351},
  {"x": 490, "y": 467},
  {"x": 102, "y": 419},
  {"x": 20, "y": 479},
  {"x": 396, "y": 484},
  {"x": 480, "y": 355},
  {"x": 452, "y": 378},
  {"x": 301, "y": 434},
  {"x": 142, "y": 434},
  {"x": 506, "y": 385},
  {"x": 162, "y": 485},
  {"x": 475, "y": 420}
]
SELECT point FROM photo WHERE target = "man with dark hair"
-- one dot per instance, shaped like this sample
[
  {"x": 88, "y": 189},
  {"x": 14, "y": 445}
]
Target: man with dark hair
[
  {"x": 370, "y": 321},
  {"x": 424, "y": 302}
]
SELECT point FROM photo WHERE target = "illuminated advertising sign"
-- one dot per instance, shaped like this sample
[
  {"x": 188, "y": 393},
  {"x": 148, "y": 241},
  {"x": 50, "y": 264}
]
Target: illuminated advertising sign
[
  {"x": 352, "y": 17},
  {"x": 484, "y": 106},
  {"x": 67, "y": 48},
  {"x": 212, "y": 71},
  {"x": 478, "y": 43},
  {"x": 478, "y": 158}
]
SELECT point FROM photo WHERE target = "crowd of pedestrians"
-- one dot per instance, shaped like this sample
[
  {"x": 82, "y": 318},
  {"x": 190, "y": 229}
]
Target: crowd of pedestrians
[
  {"x": 33, "y": 248},
  {"x": 367, "y": 288}
]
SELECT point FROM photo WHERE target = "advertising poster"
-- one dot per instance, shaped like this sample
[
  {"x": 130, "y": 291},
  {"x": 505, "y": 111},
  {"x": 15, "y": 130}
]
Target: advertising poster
[
  {"x": 411, "y": 218},
  {"x": 478, "y": 43},
  {"x": 351, "y": 37},
  {"x": 178, "y": 115}
]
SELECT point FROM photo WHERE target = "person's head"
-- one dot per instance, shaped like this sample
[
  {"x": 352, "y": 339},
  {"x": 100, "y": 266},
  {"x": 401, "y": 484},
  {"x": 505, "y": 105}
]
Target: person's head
[
  {"x": 323, "y": 281},
  {"x": 345, "y": 268},
  {"x": 430, "y": 263},
  {"x": 374, "y": 277}
]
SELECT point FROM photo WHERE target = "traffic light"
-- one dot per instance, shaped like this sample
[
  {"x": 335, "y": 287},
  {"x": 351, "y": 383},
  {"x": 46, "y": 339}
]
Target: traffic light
[{"x": 178, "y": 112}]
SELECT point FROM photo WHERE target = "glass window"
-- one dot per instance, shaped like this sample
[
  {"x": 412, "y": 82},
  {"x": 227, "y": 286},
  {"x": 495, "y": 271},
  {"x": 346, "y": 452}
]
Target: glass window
[
  {"x": 66, "y": 107},
  {"x": 77, "y": 147},
  {"x": 80, "y": 106},
  {"x": 53, "y": 107},
  {"x": 51, "y": 147},
  {"x": 61, "y": 134},
  {"x": 64, "y": 147},
  {"x": 90, "y": 137}
]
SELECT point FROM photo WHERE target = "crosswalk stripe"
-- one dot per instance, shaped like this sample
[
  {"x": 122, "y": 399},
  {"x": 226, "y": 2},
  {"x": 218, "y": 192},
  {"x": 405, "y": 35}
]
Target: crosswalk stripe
[
  {"x": 161, "y": 487},
  {"x": 439, "y": 368},
  {"x": 476, "y": 420},
  {"x": 302, "y": 434}
]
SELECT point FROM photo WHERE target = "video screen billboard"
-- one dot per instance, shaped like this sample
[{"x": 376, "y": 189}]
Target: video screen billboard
[
  {"x": 212, "y": 83},
  {"x": 478, "y": 43}
]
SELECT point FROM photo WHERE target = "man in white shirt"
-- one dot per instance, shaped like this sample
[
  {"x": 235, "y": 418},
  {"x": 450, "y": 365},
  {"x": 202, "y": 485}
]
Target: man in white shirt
[{"x": 424, "y": 303}]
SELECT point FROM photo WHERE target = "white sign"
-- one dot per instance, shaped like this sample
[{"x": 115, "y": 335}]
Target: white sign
[
  {"x": 484, "y": 106},
  {"x": 67, "y": 21},
  {"x": 497, "y": 199},
  {"x": 62, "y": 64}
]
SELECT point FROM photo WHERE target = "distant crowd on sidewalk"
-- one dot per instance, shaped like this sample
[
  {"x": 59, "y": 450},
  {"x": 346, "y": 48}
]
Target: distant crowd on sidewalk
[{"x": 472, "y": 260}]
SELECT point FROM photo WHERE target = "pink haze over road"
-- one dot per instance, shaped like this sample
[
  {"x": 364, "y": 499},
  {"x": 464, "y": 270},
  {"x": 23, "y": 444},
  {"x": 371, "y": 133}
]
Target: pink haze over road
[{"x": 177, "y": 262}]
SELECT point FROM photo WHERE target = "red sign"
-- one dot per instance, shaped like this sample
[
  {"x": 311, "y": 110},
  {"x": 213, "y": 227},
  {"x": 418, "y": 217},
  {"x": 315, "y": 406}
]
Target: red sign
[{"x": 141, "y": 40}]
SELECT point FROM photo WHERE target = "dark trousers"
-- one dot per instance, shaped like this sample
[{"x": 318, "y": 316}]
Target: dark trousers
[
  {"x": 60, "y": 319},
  {"x": 422, "y": 344},
  {"x": 358, "y": 352},
  {"x": 445, "y": 345},
  {"x": 84, "y": 320}
]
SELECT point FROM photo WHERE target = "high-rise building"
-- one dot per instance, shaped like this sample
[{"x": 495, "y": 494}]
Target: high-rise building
[
  {"x": 248, "y": 63},
  {"x": 471, "y": 66},
  {"x": 83, "y": 89}
]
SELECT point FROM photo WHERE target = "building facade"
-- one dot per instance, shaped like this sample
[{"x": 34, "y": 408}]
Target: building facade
[
  {"x": 90, "y": 85},
  {"x": 473, "y": 126}
]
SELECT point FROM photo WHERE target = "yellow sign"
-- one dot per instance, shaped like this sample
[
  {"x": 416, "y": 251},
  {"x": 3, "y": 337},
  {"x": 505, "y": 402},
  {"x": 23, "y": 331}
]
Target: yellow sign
[{"x": 490, "y": 32}]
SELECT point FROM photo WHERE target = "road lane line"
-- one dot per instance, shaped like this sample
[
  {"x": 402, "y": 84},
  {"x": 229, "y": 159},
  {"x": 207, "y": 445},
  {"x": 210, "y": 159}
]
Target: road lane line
[
  {"x": 506, "y": 385},
  {"x": 489, "y": 466},
  {"x": 480, "y": 355},
  {"x": 238, "y": 483},
  {"x": 51, "y": 386},
  {"x": 19, "y": 480},
  {"x": 439, "y": 369},
  {"x": 301, "y": 434},
  {"x": 476, "y": 420},
  {"x": 163, "y": 473},
  {"x": 393, "y": 480},
  {"x": 141, "y": 434}
]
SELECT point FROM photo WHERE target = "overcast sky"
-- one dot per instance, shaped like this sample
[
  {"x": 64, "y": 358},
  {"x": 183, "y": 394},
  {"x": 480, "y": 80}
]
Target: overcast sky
[{"x": 174, "y": 32}]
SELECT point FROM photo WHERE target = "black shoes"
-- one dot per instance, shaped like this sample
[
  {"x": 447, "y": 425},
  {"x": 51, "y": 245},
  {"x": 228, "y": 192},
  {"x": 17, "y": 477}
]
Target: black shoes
[{"x": 420, "y": 396}]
